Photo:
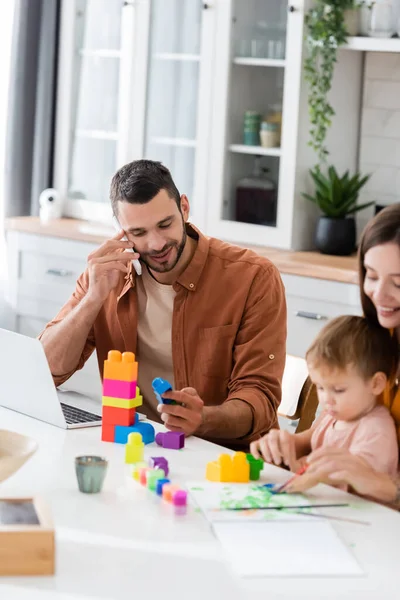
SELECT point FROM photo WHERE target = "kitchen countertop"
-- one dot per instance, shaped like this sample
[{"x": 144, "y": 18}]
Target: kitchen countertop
[{"x": 306, "y": 264}]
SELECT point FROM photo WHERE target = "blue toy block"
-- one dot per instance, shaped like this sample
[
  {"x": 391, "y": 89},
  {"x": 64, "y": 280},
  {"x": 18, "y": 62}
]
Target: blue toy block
[
  {"x": 159, "y": 387},
  {"x": 122, "y": 432},
  {"x": 160, "y": 484},
  {"x": 146, "y": 430}
]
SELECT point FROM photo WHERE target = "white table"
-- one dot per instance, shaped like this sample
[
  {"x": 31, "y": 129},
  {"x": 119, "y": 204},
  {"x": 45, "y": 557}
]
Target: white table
[{"x": 127, "y": 543}]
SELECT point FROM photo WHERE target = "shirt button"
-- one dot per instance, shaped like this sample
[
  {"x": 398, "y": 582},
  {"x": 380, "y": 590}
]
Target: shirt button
[
  {"x": 271, "y": 356},
  {"x": 191, "y": 285}
]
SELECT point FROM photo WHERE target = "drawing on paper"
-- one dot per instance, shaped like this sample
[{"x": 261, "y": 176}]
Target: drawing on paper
[{"x": 216, "y": 498}]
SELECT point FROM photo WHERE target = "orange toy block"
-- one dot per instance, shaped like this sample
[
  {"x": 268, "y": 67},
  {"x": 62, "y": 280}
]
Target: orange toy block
[
  {"x": 228, "y": 469},
  {"x": 107, "y": 433},
  {"x": 112, "y": 415},
  {"x": 121, "y": 367},
  {"x": 168, "y": 491}
]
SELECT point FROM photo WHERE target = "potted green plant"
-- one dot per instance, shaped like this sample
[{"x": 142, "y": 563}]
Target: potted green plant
[{"x": 336, "y": 197}]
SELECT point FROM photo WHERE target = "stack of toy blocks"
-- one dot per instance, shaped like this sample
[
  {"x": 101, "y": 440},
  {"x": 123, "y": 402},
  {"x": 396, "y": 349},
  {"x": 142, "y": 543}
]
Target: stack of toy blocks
[
  {"x": 121, "y": 397},
  {"x": 239, "y": 468}
]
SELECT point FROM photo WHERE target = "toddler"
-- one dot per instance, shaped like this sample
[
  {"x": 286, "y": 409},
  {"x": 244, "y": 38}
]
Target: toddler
[{"x": 350, "y": 362}]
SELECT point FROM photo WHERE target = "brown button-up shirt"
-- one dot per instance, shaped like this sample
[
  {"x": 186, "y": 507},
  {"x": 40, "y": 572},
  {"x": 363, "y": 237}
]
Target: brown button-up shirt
[{"x": 228, "y": 330}]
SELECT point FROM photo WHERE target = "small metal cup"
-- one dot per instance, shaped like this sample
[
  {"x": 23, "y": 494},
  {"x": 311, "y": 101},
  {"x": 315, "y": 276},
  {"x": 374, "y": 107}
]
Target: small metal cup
[{"x": 90, "y": 472}]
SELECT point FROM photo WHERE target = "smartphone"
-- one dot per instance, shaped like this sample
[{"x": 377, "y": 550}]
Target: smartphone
[{"x": 136, "y": 264}]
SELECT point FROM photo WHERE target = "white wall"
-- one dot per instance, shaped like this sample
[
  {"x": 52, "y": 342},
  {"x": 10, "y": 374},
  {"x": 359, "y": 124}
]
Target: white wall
[{"x": 380, "y": 128}]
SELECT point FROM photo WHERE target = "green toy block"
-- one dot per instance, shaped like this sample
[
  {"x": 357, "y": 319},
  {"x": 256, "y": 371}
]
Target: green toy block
[
  {"x": 153, "y": 476},
  {"x": 256, "y": 466}
]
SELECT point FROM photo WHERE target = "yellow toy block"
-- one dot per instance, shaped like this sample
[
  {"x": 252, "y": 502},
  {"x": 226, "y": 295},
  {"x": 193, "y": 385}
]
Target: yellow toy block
[
  {"x": 240, "y": 468},
  {"x": 136, "y": 469},
  {"x": 229, "y": 469},
  {"x": 134, "y": 449},
  {"x": 123, "y": 402},
  {"x": 121, "y": 367}
]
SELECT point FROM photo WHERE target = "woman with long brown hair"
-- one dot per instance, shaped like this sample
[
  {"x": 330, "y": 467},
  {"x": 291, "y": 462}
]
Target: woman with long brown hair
[{"x": 379, "y": 271}]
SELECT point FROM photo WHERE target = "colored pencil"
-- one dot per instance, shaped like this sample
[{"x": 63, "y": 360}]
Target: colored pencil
[
  {"x": 295, "y": 506},
  {"x": 321, "y": 516}
]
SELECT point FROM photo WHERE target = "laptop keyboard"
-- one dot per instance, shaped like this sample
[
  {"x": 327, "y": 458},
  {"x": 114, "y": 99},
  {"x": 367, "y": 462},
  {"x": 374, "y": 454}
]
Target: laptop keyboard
[{"x": 77, "y": 415}]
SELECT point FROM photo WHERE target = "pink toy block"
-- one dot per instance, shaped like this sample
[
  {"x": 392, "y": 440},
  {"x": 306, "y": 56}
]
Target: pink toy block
[
  {"x": 119, "y": 389},
  {"x": 173, "y": 440},
  {"x": 179, "y": 498}
]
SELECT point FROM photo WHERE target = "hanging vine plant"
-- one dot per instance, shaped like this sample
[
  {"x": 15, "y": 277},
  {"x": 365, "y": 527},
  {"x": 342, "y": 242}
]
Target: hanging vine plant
[{"x": 326, "y": 32}]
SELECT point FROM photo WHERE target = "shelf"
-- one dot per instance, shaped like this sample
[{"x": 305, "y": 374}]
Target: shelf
[
  {"x": 370, "y": 44},
  {"x": 259, "y": 62},
  {"x": 177, "y": 56},
  {"x": 97, "y": 134},
  {"x": 182, "y": 142},
  {"x": 100, "y": 52},
  {"x": 255, "y": 150}
]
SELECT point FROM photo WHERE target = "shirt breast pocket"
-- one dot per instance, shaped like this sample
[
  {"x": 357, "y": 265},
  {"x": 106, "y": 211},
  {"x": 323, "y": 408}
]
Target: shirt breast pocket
[{"x": 215, "y": 350}]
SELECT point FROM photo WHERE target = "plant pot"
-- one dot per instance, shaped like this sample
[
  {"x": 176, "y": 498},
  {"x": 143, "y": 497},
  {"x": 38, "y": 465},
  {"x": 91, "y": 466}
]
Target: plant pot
[
  {"x": 336, "y": 236},
  {"x": 352, "y": 21}
]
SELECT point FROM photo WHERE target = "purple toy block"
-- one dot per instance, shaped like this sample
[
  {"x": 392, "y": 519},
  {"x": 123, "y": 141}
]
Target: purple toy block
[
  {"x": 159, "y": 462},
  {"x": 173, "y": 440},
  {"x": 119, "y": 389}
]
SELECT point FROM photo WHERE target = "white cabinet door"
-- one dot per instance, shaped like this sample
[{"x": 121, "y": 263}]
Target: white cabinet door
[
  {"x": 176, "y": 121},
  {"x": 258, "y": 69},
  {"x": 93, "y": 101}
]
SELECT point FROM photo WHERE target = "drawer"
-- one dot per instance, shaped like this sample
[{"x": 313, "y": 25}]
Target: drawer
[
  {"x": 44, "y": 276},
  {"x": 30, "y": 326},
  {"x": 42, "y": 310},
  {"x": 334, "y": 292},
  {"x": 306, "y": 317}
]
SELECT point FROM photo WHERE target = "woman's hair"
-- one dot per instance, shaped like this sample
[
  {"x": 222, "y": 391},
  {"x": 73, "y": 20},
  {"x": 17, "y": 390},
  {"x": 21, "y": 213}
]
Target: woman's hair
[
  {"x": 382, "y": 229},
  {"x": 354, "y": 341}
]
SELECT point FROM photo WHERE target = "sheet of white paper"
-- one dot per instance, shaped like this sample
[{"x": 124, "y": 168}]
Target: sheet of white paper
[
  {"x": 278, "y": 549},
  {"x": 215, "y": 498}
]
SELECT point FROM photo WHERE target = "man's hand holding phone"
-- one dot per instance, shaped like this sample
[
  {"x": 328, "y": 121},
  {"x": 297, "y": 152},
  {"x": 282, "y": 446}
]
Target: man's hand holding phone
[{"x": 105, "y": 265}]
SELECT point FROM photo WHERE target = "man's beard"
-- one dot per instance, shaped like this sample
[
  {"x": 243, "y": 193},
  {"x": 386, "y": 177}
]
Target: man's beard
[{"x": 166, "y": 267}]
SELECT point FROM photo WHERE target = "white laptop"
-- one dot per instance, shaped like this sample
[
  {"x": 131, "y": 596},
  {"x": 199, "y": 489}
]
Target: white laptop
[{"x": 26, "y": 386}]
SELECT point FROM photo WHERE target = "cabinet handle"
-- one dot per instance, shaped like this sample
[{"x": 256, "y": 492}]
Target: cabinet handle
[
  {"x": 308, "y": 315},
  {"x": 59, "y": 272},
  {"x": 291, "y": 8}
]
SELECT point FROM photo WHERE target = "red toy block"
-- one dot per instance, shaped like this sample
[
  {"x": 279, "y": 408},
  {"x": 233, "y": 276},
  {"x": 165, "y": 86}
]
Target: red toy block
[
  {"x": 119, "y": 389},
  {"x": 143, "y": 475},
  {"x": 107, "y": 433},
  {"x": 118, "y": 416},
  {"x": 122, "y": 367}
]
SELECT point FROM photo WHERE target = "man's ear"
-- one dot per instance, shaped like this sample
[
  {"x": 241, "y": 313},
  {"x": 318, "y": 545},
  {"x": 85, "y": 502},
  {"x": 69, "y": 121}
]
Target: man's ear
[
  {"x": 378, "y": 383},
  {"x": 185, "y": 207}
]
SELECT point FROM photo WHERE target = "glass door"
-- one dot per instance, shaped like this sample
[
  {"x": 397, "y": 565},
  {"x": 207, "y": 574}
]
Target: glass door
[
  {"x": 255, "y": 145},
  {"x": 179, "y": 94},
  {"x": 90, "y": 107}
]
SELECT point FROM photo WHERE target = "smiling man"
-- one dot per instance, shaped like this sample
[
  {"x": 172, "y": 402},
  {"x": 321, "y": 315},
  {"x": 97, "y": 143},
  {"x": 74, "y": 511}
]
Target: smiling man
[{"x": 207, "y": 316}]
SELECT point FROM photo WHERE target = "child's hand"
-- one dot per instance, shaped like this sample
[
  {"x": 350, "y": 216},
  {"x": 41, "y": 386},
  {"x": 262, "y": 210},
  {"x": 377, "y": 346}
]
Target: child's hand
[{"x": 276, "y": 447}]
